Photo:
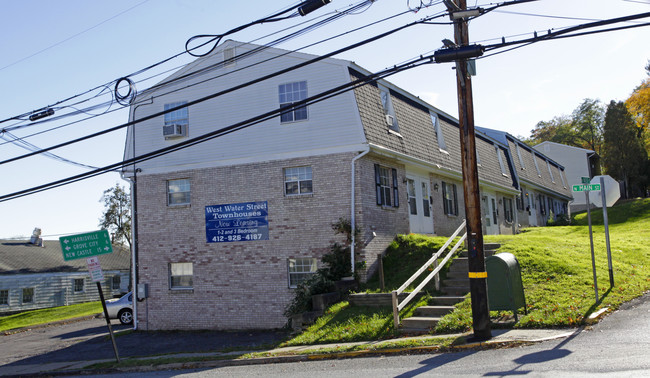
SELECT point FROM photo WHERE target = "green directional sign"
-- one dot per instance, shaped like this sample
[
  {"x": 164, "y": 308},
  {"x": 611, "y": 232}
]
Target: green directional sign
[
  {"x": 85, "y": 245},
  {"x": 585, "y": 180},
  {"x": 585, "y": 188}
]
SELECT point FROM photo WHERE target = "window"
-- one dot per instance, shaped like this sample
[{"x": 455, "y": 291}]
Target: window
[
  {"x": 78, "y": 285},
  {"x": 116, "y": 282},
  {"x": 297, "y": 180},
  {"x": 389, "y": 111},
  {"x": 177, "y": 117},
  {"x": 28, "y": 295},
  {"x": 410, "y": 189},
  {"x": 548, "y": 165},
  {"x": 507, "y": 209},
  {"x": 539, "y": 173},
  {"x": 384, "y": 188},
  {"x": 521, "y": 160},
  {"x": 178, "y": 192},
  {"x": 520, "y": 200},
  {"x": 449, "y": 198},
  {"x": 300, "y": 270},
  {"x": 180, "y": 275},
  {"x": 501, "y": 165},
  {"x": 438, "y": 130},
  {"x": 4, "y": 297},
  {"x": 562, "y": 178},
  {"x": 289, "y": 94},
  {"x": 542, "y": 206}
]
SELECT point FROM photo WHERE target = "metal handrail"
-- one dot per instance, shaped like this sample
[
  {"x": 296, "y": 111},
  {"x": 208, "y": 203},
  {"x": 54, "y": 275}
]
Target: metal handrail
[{"x": 397, "y": 307}]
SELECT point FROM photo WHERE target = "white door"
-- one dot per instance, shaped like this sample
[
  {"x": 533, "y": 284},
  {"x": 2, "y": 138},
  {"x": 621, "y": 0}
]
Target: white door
[
  {"x": 490, "y": 214},
  {"x": 419, "y": 200}
]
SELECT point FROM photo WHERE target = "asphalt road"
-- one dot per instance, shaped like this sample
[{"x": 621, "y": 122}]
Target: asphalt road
[
  {"x": 89, "y": 340},
  {"x": 616, "y": 347}
]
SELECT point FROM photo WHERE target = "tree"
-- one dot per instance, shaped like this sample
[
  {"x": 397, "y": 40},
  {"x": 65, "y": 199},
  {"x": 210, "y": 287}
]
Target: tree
[
  {"x": 624, "y": 155},
  {"x": 584, "y": 128},
  {"x": 117, "y": 214},
  {"x": 638, "y": 104}
]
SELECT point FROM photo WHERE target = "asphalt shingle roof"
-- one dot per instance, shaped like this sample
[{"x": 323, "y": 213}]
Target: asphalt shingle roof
[{"x": 20, "y": 257}]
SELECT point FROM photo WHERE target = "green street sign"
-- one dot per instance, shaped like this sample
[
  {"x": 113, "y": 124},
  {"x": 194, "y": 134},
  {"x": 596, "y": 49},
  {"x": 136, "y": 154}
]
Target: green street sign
[
  {"x": 85, "y": 245},
  {"x": 585, "y": 188},
  {"x": 585, "y": 180}
]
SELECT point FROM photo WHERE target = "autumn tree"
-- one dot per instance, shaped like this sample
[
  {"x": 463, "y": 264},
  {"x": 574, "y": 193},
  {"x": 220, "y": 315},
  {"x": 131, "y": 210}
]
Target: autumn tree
[
  {"x": 638, "y": 104},
  {"x": 584, "y": 128},
  {"x": 117, "y": 214},
  {"x": 624, "y": 155}
]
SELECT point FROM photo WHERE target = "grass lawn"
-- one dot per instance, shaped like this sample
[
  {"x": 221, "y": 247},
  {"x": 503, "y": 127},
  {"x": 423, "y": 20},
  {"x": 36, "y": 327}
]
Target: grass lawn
[
  {"x": 556, "y": 273},
  {"x": 47, "y": 315}
]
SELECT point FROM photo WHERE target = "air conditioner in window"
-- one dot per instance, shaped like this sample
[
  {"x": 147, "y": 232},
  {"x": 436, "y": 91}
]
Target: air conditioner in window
[
  {"x": 174, "y": 131},
  {"x": 390, "y": 120}
]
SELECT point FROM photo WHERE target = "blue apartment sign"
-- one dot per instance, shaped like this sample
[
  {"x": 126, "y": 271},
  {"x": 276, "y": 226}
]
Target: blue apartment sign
[{"x": 235, "y": 222}]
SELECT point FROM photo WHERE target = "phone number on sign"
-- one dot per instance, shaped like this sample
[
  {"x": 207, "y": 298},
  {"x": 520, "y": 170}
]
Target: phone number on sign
[{"x": 231, "y": 238}]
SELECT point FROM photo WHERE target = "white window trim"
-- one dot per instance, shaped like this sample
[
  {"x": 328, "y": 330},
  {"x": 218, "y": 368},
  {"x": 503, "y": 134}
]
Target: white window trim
[
  {"x": 312, "y": 265},
  {"x": 521, "y": 159},
  {"x": 442, "y": 147},
  {"x": 189, "y": 201},
  {"x": 74, "y": 285},
  {"x": 501, "y": 164},
  {"x": 548, "y": 165},
  {"x": 562, "y": 178},
  {"x": 539, "y": 173},
  {"x": 22, "y": 295},
  {"x": 292, "y": 109},
  {"x": 311, "y": 178},
  {"x": 387, "y": 104},
  {"x": 171, "y": 276},
  {"x": 8, "y": 298}
]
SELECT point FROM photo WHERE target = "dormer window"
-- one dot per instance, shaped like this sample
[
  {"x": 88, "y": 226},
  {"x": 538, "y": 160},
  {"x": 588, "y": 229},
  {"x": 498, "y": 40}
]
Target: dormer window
[{"x": 389, "y": 111}]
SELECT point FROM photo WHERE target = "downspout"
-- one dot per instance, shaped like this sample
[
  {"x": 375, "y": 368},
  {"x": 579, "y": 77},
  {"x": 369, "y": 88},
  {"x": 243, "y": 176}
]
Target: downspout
[
  {"x": 134, "y": 225},
  {"x": 352, "y": 212}
]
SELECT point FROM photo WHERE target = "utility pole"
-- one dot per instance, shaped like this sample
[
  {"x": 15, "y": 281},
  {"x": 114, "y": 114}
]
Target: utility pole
[{"x": 476, "y": 259}]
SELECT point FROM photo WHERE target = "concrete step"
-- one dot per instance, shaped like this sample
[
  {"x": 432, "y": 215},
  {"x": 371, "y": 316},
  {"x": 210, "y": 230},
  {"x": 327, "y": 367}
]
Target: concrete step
[
  {"x": 433, "y": 311},
  {"x": 421, "y": 323},
  {"x": 457, "y": 274},
  {"x": 455, "y": 290},
  {"x": 456, "y": 282},
  {"x": 448, "y": 300},
  {"x": 486, "y": 251}
]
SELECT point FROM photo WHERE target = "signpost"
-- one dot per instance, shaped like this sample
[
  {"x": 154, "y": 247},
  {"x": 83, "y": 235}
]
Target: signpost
[
  {"x": 88, "y": 246},
  {"x": 609, "y": 194}
]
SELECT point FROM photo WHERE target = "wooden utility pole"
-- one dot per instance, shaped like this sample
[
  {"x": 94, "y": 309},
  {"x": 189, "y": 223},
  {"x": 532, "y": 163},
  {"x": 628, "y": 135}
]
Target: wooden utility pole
[{"x": 476, "y": 259}]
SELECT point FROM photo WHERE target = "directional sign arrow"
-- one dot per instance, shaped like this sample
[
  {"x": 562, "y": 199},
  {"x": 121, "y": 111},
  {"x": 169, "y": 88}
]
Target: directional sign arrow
[
  {"x": 67, "y": 248},
  {"x": 66, "y": 241}
]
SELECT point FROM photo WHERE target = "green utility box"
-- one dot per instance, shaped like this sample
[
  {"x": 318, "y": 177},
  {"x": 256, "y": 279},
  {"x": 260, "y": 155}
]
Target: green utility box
[{"x": 505, "y": 290}]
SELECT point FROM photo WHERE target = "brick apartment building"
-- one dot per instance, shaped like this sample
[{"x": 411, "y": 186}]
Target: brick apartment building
[{"x": 228, "y": 227}]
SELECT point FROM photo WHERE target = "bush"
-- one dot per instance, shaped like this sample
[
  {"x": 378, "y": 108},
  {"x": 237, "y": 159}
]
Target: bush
[{"x": 560, "y": 220}]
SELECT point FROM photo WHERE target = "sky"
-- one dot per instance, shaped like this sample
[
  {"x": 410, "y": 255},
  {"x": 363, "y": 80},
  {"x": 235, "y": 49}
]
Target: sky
[{"x": 54, "y": 50}]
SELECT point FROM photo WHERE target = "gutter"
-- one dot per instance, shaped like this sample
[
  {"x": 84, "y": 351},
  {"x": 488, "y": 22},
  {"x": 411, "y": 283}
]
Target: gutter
[{"x": 352, "y": 208}]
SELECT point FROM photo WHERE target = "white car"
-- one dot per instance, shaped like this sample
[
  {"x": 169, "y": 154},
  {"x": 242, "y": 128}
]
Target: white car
[{"x": 121, "y": 308}]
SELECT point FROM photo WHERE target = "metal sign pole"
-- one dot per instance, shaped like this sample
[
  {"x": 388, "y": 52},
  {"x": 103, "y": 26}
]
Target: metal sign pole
[
  {"x": 591, "y": 241},
  {"x": 108, "y": 321},
  {"x": 609, "y": 250}
]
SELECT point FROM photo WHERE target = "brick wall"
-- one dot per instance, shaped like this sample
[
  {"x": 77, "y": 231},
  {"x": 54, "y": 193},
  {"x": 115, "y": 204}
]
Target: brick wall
[{"x": 236, "y": 285}]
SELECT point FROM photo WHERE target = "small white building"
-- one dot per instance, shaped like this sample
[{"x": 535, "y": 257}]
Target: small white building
[
  {"x": 578, "y": 162},
  {"x": 35, "y": 276}
]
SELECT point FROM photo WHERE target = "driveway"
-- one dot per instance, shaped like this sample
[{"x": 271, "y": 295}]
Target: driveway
[{"x": 89, "y": 340}]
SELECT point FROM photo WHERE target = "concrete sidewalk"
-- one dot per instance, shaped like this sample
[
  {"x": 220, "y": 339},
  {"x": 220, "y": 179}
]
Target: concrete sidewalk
[{"x": 500, "y": 337}]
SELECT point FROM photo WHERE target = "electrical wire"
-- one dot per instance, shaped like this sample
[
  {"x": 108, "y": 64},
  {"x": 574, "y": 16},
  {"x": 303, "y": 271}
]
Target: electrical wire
[
  {"x": 224, "y": 131},
  {"x": 12, "y": 127},
  {"x": 130, "y": 96},
  {"x": 220, "y": 93},
  {"x": 30, "y": 147}
]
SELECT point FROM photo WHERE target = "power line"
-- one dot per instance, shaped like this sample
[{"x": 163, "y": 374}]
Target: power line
[
  {"x": 223, "y": 131},
  {"x": 108, "y": 103},
  {"x": 237, "y": 87}
]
